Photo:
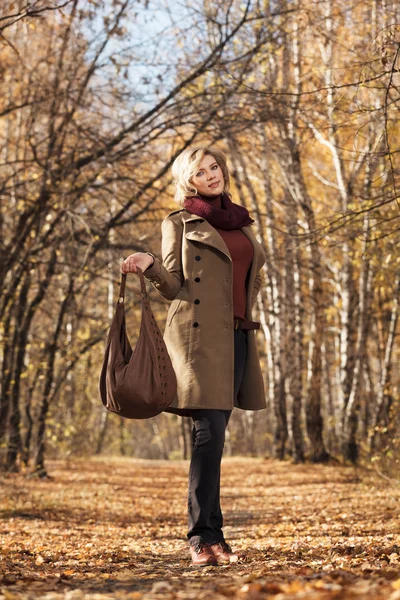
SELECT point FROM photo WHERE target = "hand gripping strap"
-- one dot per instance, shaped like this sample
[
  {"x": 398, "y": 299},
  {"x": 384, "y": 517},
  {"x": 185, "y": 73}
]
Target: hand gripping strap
[{"x": 123, "y": 284}]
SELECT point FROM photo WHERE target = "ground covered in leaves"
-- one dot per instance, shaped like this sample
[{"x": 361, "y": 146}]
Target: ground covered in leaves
[{"x": 115, "y": 528}]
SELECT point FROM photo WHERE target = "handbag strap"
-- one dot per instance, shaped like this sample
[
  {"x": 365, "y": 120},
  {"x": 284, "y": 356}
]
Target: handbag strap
[{"x": 123, "y": 284}]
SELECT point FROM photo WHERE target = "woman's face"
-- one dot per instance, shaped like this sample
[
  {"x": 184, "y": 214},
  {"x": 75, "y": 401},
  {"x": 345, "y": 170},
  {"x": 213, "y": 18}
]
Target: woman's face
[{"x": 209, "y": 179}]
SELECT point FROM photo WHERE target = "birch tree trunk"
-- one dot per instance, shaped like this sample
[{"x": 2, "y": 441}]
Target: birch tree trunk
[
  {"x": 291, "y": 172},
  {"x": 102, "y": 431},
  {"x": 159, "y": 439},
  {"x": 382, "y": 409},
  {"x": 276, "y": 375},
  {"x": 270, "y": 310},
  {"x": 347, "y": 290},
  {"x": 351, "y": 415},
  {"x": 294, "y": 330}
]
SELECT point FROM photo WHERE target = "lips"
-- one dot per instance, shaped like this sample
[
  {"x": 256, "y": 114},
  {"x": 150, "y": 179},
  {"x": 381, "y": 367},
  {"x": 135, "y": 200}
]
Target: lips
[{"x": 214, "y": 185}]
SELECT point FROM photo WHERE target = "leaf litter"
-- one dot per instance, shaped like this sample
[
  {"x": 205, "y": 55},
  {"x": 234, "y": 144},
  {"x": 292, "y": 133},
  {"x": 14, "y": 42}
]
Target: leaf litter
[{"x": 116, "y": 528}]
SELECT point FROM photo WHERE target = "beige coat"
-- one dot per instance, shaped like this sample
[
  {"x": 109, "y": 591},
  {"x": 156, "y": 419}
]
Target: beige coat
[{"x": 196, "y": 265}]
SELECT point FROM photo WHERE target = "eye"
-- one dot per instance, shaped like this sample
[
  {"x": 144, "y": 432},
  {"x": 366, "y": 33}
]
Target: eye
[
  {"x": 199, "y": 173},
  {"x": 214, "y": 167}
]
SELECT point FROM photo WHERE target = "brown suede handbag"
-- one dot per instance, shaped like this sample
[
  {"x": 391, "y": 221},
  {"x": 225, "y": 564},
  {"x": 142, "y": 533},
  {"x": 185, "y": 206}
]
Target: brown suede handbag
[{"x": 136, "y": 384}]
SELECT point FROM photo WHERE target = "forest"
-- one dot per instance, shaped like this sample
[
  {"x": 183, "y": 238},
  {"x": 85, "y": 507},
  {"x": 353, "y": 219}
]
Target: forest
[{"x": 99, "y": 97}]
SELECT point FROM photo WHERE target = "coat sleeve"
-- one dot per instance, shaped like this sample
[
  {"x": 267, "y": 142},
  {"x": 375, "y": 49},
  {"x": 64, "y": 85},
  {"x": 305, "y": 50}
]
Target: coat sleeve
[{"x": 167, "y": 276}]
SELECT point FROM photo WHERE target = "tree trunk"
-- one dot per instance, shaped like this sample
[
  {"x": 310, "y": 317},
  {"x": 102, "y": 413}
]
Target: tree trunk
[
  {"x": 278, "y": 378},
  {"x": 383, "y": 396},
  {"x": 350, "y": 446},
  {"x": 291, "y": 171},
  {"x": 10, "y": 344},
  {"x": 159, "y": 439},
  {"x": 51, "y": 352},
  {"x": 121, "y": 428},
  {"x": 293, "y": 330},
  {"x": 187, "y": 440},
  {"x": 102, "y": 431},
  {"x": 21, "y": 325},
  {"x": 26, "y": 447}
]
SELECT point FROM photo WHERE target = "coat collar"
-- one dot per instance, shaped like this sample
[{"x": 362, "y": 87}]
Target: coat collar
[{"x": 200, "y": 230}]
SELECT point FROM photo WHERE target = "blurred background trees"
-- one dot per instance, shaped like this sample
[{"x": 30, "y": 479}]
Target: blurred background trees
[{"x": 98, "y": 99}]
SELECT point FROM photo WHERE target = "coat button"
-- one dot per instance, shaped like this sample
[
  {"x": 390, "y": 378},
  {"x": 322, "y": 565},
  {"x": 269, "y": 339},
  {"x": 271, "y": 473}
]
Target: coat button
[
  {"x": 197, "y": 301},
  {"x": 197, "y": 279},
  {"x": 197, "y": 257},
  {"x": 195, "y": 324}
]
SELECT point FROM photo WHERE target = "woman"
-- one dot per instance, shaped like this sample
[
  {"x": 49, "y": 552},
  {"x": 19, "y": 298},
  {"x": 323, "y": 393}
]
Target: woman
[{"x": 210, "y": 270}]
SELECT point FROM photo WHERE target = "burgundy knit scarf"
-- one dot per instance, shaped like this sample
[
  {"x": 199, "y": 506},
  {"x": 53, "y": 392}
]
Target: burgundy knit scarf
[{"x": 229, "y": 216}]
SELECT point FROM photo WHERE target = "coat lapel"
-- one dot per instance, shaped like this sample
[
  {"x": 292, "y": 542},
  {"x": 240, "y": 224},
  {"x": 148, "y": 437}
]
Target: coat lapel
[{"x": 199, "y": 230}]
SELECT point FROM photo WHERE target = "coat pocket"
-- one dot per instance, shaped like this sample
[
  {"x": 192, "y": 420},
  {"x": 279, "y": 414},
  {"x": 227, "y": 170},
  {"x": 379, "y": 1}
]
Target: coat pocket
[{"x": 173, "y": 310}]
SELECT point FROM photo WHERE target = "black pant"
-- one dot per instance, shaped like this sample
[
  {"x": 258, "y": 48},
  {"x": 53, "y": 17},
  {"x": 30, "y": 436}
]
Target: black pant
[{"x": 208, "y": 437}]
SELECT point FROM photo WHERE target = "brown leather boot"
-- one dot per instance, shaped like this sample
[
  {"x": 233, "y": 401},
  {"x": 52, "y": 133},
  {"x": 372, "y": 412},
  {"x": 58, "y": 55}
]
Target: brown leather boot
[
  {"x": 202, "y": 555},
  {"x": 223, "y": 553}
]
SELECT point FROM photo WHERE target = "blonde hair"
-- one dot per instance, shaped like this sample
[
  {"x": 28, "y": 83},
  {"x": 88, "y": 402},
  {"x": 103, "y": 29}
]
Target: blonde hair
[{"x": 187, "y": 164}]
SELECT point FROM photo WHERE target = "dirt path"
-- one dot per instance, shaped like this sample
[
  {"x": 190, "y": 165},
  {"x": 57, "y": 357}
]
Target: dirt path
[{"x": 105, "y": 529}]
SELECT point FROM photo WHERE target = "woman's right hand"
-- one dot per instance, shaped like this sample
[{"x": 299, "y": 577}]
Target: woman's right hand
[{"x": 139, "y": 259}]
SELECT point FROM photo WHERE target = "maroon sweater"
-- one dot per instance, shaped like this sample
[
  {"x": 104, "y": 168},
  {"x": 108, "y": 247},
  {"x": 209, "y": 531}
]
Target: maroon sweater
[{"x": 241, "y": 251}]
